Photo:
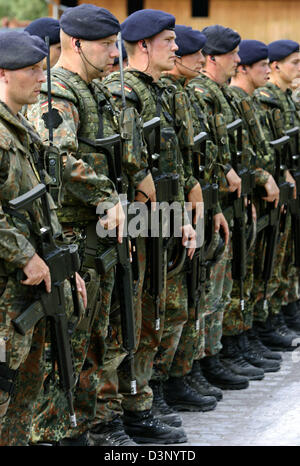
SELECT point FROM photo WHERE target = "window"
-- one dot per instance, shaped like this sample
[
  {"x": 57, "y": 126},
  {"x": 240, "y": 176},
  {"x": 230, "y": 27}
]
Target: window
[
  {"x": 134, "y": 5},
  {"x": 69, "y": 3},
  {"x": 200, "y": 8}
]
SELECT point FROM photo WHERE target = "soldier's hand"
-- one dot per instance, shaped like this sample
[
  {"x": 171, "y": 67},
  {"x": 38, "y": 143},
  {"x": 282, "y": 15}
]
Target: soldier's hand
[
  {"x": 114, "y": 218},
  {"x": 81, "y": 288},
  {"x": 221, "y": 222},
  {"x": 195, "y": 197},
  {"x": 234, "y": 182},
  {"x": 272, "y": 190},
  {"x": 290, "y": 179},
  {"x": 189, "y": 239},
  {"x": 36, "y": 271},
  {"x": 146, "y": 190}
]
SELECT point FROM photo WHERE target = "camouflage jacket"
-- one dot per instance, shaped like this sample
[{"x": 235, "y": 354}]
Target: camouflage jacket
[
  {"x": 155, "y": 99},
  {"x": 19, "y": 145},
  {"x": 75, "y": 116},
  {"x": 272, "y": 98},
  {"x": 263, "y": 160}
]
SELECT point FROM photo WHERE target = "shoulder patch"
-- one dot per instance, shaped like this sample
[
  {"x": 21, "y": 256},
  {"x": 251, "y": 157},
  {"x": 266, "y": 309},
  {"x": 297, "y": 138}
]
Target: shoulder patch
[
  {"x": 59, "y": 90},
  {"x": 56, "y": 119}
]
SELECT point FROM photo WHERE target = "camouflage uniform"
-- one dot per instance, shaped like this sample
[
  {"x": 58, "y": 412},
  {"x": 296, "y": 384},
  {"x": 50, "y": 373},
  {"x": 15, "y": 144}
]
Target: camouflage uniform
[
  {"x": 76, "y": 119},
  {"x": 220, "y": 284},
  {"x": 23, "y": 355},
  {"x": 154, "y": 99},
  {"x": 287, "y": 291}
]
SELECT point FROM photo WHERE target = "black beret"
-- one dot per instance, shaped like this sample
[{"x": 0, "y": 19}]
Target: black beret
[
  {"x": 89, "y": 22},
  {"x": 146, "y": 23},
  {"x": 188, "y": 40},
  {"x": 220, "y": 40},
  {"x": 252, "y": 51},
  {"x": 19, "y": 49},
  {"x": 44, "y": 27},
  {"x": 279, "y": 49}
]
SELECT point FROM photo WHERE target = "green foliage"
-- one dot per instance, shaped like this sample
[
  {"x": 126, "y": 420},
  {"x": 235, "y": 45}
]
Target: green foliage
[{"x": 23, "y": 9}]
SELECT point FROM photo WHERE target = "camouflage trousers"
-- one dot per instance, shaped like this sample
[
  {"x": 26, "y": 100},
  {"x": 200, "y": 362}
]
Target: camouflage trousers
[
  {"x": 216, "y": 300},
  {"x": 116, "y": 368},
  {"x": 284, "y": 284},
  {"x": 50, "y": 421},
  {"x": 25, "y": 353}
]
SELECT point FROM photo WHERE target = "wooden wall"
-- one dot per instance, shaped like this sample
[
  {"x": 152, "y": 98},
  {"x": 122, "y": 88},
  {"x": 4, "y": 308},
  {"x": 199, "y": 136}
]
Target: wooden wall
[{"x": 264, "y": 20}]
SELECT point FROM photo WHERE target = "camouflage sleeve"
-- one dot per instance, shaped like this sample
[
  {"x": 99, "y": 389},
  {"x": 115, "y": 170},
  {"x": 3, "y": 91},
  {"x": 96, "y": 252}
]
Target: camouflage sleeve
[
  {"x": 14, "y": 246},
  {"x": 80, "y": 179}
]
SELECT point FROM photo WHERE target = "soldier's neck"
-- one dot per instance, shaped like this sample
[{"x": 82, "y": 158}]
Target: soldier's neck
[
  {"x": 74, "y": 67},
  {"x": 243, "y": 84},
  {"x": 213, "y": 76},
  {"x": 279, "y": 82},
  {"x": 144, "y": 67}
]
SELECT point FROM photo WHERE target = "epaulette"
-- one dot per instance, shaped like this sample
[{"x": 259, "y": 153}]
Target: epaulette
[
  {"x": 266, "y": 96},
  {"x": 115, "y": 89},
  {"x": 58, "y": 89}
]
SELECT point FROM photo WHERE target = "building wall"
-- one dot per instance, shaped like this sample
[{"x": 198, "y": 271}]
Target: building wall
[{"x": 264, "y": 20}]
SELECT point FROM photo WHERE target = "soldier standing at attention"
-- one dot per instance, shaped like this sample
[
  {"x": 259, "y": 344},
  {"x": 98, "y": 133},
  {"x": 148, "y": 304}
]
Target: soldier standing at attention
[
  {"x": 149, "y": 39},
  {"x": 21, "y": 77},
  {"x": 84, "y": 111},
  {"x": 284, "y": 60},
  {"x": 253, "y": 72}
]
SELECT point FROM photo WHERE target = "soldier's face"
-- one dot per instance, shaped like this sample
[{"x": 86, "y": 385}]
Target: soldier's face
[
  {"x": 190, "y": 65},
  {"x": 228, "y": 62},
  {"x": 289, "y": 68},
  {"x": 161, "y": 50},
  {"x": 101, "y": 54},
  {"x": 259, "y": 73},
  {"x": 23, "y": 86}
]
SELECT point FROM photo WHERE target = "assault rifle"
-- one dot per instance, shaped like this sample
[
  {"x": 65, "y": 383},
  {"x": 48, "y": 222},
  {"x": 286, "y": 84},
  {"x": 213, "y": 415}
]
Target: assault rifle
[
  {"x": 274, "y": 222},
  {"x": 241, "y": 216},
  {"x": 166, "y": 185},
  {"x": 197, "y": 267},
  {"x": 294, "y": 205},
  {"x": 63, "y": 262},
  {"x": 118, "y": 255}
]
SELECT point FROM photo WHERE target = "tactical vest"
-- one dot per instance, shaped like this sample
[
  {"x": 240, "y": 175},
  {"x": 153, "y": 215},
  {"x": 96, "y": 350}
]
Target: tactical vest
[
  {"x": 153, "y": 100},
  {"x": 93, "y": 124}
]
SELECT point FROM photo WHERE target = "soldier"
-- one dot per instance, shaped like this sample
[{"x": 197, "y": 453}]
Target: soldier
[
  {"x": 44, "y": 27},
  {"x": 253, "y": 72},
  {"x": 149, "y": 40},
  {"x": 21, "y": 77},
  {"x": 88, "y": 39},
  {"x": 221, "y": 60},
  {"x": 277, "y": 94},
  {"x": 177, "y": 392}
]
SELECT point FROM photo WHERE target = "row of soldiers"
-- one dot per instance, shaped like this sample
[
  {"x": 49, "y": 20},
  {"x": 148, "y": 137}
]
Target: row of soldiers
[{"x": 207, "y": 316}]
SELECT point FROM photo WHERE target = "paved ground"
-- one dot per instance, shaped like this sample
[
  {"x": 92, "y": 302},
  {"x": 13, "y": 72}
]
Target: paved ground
[{"x": 265, "y": 414}]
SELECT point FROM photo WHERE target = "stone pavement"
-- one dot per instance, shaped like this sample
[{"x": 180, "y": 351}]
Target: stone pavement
[{"x": 267, "y": 413}]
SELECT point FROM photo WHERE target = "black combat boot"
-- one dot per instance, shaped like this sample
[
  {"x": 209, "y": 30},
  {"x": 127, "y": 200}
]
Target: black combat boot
[
  {"x": 254, "y": 357},
  {"x": 221, "y": 376},
  {"x": 291, "y": 314},
  {"x": 110, "y": 434},
  {"x": 181, "y": 396},
  {"x": 199, "y": 383},
  {"x": 279, "y": 323},
  {"x": 271, "y": 338},
  {"x": 231, "y": 356},
  {"x": 160, "y": 409},
  {"x": 80, "y": 441},
  {"x": 142, "y": 427},
  {"x": 257, "y": 345}
]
